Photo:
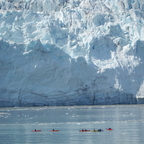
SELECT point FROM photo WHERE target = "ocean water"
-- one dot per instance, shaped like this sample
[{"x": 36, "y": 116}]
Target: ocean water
[{"x": 127, "y": 122}]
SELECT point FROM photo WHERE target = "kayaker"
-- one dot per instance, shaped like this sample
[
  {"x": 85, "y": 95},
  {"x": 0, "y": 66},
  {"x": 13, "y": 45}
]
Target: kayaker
[
  {"x": 99, "y": 130},
  {"x": 109, "y": 129}
]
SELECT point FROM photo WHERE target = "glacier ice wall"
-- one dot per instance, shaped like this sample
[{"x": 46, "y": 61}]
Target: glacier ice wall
[{"x": 71, "y": 52}]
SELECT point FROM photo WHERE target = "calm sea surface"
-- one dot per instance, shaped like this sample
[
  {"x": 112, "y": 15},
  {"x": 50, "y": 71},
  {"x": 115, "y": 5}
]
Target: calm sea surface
[{"x": 127, "y": 122}]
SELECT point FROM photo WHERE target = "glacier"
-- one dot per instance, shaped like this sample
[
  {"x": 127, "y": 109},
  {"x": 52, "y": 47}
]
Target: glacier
[{"x": 71, "y": 52}]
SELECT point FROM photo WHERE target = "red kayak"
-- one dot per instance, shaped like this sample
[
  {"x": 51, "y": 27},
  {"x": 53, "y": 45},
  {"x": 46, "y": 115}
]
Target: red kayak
[
  {"x": 36, "y": 130},
  {"x": 84, "y": 130},
  {"x": 109, "y": 129},
  {"x": 54, "y": 130}
]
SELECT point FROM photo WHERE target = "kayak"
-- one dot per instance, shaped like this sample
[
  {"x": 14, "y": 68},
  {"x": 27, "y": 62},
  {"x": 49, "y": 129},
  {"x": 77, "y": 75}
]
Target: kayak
[
  {"x": 36, "y": 130},
  {"x": 84, "y": 130},
  {"x": 94, "y": 130},
  {"x": 54, "y": 130},
  {"x": 109, "y": 129},
  {"x": 97, "y": 130}
]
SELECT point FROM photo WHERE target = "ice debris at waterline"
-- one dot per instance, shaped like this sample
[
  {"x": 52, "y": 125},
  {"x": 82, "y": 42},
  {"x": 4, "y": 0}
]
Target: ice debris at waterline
[{"x": 71, "y": 52}]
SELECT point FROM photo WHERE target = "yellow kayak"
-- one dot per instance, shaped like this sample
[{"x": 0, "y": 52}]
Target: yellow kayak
[
  {"x": 99, "y": 130},
  {"x": 94, "y": 130}
]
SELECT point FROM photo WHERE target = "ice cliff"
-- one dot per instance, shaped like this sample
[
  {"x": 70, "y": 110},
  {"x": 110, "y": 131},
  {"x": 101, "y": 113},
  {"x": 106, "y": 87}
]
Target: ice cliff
[{"x": 71, "y": 52}]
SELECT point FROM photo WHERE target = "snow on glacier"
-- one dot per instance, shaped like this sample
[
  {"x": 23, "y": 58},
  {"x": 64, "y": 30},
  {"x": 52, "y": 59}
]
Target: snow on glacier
[{"x": 71, "y": 52}]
